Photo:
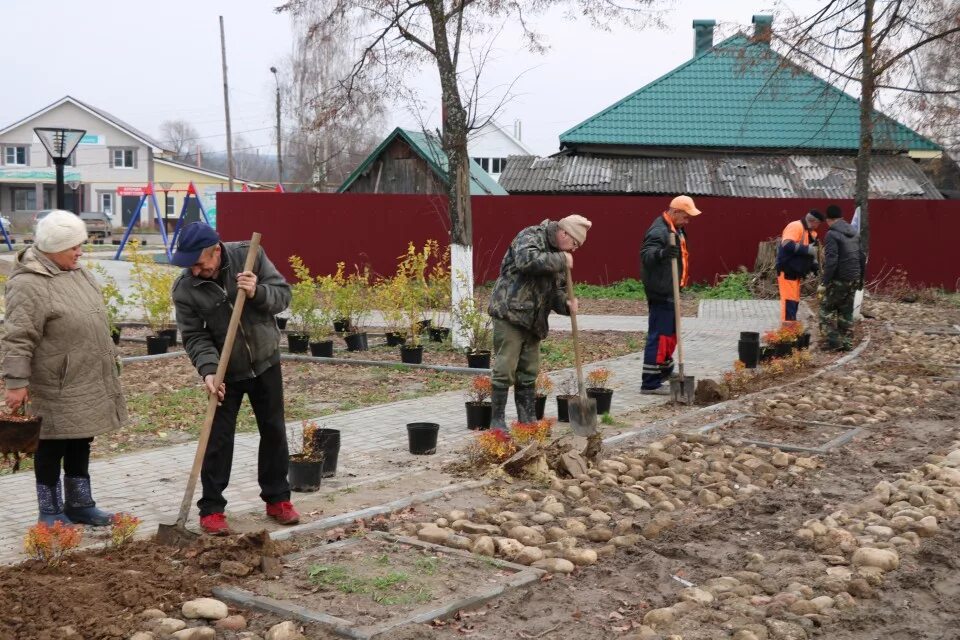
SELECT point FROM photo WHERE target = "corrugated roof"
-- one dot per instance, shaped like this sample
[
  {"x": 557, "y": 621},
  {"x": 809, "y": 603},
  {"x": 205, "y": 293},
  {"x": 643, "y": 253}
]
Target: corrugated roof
[
  {"x": 753, "y": 176},
  {"x": 428, "y": 148},
  {"x": 740, "y": 94}
]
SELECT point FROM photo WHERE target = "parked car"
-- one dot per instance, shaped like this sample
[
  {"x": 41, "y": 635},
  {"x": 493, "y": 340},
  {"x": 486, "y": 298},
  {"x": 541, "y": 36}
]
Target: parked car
[
  {"x": 98, "y": 223},
  {"x": 40, "y": 215}
]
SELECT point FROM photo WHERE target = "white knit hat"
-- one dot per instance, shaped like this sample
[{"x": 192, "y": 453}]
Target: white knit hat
[{"x": 60, "y": 230}]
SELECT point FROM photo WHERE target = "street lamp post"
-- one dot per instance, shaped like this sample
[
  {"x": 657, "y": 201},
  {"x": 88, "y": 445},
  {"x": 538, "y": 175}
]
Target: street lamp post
[
  {"x": 74, "y": 186},
  {"x": 166, "y": 209},
  {"x": 59, "y": 143},
  {"x": 273, "y": 70}
]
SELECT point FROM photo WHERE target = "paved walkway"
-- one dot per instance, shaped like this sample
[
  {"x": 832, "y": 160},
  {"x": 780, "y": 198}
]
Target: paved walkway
[{"x": 150, "y": 483}]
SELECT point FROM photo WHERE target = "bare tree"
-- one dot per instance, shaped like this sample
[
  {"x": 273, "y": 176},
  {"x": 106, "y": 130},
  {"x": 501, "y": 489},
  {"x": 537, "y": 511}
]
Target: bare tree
[
  {"x": 181, "y": 137},
  {"x": 329, "y": 133},
  {"x": 405, "y": 35},
  {"x": 878, "y": 46}
]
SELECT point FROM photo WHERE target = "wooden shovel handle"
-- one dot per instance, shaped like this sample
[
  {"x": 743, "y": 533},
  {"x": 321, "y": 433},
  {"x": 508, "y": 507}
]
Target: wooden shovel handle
[
  {"x": 676, "y": 304},
  {"x": 218, "y": 379},
  {"x": 576, "y": 336}
]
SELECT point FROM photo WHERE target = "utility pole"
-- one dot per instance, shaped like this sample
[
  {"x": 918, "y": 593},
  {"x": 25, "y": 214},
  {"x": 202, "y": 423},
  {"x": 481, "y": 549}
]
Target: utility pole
[
  {"x": 226, "y": 105},
  {"x": 273, "y": 70}
]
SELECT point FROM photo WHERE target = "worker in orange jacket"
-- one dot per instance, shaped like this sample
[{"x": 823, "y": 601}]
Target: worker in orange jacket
[{"x": 796, "y": 259}]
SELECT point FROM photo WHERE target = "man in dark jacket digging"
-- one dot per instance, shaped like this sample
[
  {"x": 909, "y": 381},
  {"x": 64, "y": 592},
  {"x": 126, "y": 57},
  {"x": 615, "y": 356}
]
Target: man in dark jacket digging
[
  {"x": 843, "y": 268},
  {"x": 204, "y": 295},
  {"x": 655, "y": 259},
  {"x": 532, "y": 283}
]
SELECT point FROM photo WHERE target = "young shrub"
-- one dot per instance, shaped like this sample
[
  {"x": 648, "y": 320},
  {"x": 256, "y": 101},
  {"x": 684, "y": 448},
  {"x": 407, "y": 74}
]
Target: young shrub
[
  {"x": 544, "y": 384},
  {"x": 123, "y": 526},
  {"x": 481, "y": 388},
  {"x": 599, "y": 378},
  {"x": 524, "y": 434},
  {"x": 51, "y": 544}
]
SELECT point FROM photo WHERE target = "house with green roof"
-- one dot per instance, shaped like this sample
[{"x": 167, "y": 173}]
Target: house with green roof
[
  {"x": 412, "y": 162},
  {"x": 737, "y": 119}
]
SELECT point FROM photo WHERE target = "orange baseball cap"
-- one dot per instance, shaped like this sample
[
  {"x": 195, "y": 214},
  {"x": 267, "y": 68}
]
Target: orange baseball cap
[{"x": 685, "y": 204}]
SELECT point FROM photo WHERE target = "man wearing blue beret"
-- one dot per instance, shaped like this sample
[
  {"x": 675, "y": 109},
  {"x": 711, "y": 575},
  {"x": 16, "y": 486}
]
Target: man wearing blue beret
[{"x": 203, "y": 296}]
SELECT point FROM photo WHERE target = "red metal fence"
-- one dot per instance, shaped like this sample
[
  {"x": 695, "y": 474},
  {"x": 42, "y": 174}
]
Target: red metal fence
[{"x": 919, "y": 236}]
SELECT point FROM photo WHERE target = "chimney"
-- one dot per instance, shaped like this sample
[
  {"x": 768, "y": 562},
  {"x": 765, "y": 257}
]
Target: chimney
[
  {"x": 702, "y": 35},
  {"x": 762, "y": 28}
]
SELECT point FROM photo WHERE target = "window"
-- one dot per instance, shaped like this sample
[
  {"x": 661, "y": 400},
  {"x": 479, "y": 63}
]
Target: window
[
  {"x": 168, "y": 205},
  {"x": 497, "y": 165},
  {"x": 15, "y": 155},
  {"x": 25, "y": 199},
  {"x": 71, "y": 160},
  {"x": 484, "y": 163},
  {"x": 106, "y": 203},
  {"x": 124, "y": 158}
]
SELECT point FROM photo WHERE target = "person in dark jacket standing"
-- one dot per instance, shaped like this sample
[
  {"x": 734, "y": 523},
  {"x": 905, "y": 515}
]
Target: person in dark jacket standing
[
  {"x": 203, "y": 296},
  {"x": 655, "y": 257},
  {"x": 532, "y": 283},
  {"x": 843, "y": 269},
  {"x": 796, "y": 259}
]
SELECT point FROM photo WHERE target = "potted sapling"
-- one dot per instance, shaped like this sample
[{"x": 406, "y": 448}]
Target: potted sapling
[
  {"x": 321, "y": 346},
  {"x": 112, "y": 300},
  {"x": 438, "y": 290},
  {"x": 151, "y": 289},
  {"x": 388, "y": 296},
  {"x": 353, "y": 305},
  {"x": 475, "y": 327},
  {"x": 303, "y": 307},
  {"x": 479, "y": 410},
  {"x": 568, "y": 389},
  {"x": 543, "y": 387},
  {"x": 412, "y": 300},
  {"x": 597, "y": 381},
  {"x": 306, "y": 467}
]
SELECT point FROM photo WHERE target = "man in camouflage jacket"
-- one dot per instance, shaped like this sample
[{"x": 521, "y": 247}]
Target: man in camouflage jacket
[
  {"x": 843, "y": 267},
  {"x": 532, "y": 283}
]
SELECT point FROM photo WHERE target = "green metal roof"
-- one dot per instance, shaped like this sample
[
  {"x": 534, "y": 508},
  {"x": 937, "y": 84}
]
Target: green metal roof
[
  {"x": 429, "y": 148},
  {"x": 740, "y": 94}
]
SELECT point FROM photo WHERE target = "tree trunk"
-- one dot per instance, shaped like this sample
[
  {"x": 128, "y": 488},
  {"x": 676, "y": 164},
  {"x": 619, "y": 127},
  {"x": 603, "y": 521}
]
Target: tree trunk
[
  {"x": 867, "y": 84},
  {"x": 454, "y": 140}
]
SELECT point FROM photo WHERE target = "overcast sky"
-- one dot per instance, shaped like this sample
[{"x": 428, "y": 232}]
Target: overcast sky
[{"x": 150, "y": 61}]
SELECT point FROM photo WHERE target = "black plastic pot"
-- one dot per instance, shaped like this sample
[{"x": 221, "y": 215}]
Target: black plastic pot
[
  {"x": 439, "y": 334},
  {"x": 395, "y": 339},
  {"x": 322, "y": 349},
  {"x": 328, "y": 441},
  {"x": 304, "y": 475},
  {"x": 115, "y": 243},
  {"x": 281, "y": 323},
  {"x": 297, "y": 342},
  {"x": 115, "y": 335},
  {"x": 341, "y": 325},
  {"x": 478, "y": 360},
  {"x": 783, "y": 349},
  {"x": 356, "y": 341},
  {"x": 411, "y": 355},
  {"x": 28, "y": 241},
  {"x": 423, "y": 324},
  {"x": 562, "y": 408},
  {"x": 603, "y": 398},
  {"x": 749, "y": 353},
  {"x": 479, "y": 415},
  {"x": 422, "y": 437},
  {"x": 541, "y": 406},
  {"x": 171, "y": 335},
  {"x": 157, "y": 345},
  {"x": 803, "y": 342},
  {"x": 766, "y": 353},
  {"x": 750, "y": 336}
]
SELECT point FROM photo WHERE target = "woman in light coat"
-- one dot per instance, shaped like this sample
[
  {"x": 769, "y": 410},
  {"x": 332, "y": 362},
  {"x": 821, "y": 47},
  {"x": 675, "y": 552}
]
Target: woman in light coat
[{"x": 59, "y": 357}]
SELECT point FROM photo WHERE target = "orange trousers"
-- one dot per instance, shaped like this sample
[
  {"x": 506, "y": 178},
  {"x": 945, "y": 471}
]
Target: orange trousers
[{"x": 789, "y": 298}]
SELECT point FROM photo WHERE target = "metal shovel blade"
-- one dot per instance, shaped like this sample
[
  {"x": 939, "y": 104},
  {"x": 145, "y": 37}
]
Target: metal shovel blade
[
  {"x": 682, "y": 389},
  {"x": 174, "y": 535},
  {"x": 582, "y": 412}
]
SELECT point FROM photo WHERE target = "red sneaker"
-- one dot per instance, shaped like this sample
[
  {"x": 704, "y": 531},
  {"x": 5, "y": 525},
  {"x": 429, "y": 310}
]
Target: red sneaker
[
  {"x": 215, "y": 524},
  {"x": 283, "y": 512}
]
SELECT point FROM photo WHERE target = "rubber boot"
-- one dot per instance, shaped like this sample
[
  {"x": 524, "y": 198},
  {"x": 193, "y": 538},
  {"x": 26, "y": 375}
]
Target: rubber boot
[
  {"x": 498, "y": 402},
  {"x": 50, "y": 501},
  {"x": 525, "y": 398},
  {"x": 80, "y": 506}
]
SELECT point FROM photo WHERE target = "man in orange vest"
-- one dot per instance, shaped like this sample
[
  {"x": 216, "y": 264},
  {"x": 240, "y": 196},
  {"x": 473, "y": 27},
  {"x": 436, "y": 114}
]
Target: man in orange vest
[
  {"x": 796, "y": 259},
  {"x": 655, "y": 258}
]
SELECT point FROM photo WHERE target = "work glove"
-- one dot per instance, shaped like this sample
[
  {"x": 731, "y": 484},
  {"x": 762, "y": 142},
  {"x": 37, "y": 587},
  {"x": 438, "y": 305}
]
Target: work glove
[
  {"x": 821, "y": 291},
  {"x": 669, "y": 252},
  {"x": 812, "y": 250}
]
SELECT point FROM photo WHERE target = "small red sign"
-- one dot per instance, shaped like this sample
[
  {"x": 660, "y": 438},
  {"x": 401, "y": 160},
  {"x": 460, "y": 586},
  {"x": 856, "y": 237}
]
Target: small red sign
[{"x": 130, "y": 191}]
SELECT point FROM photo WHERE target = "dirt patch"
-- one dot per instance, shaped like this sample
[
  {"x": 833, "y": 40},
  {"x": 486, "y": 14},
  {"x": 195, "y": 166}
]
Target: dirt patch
[
  {"x": 772, "y": 430},
  {"x": 370, "y": 581},
  {"x": 100, "y": 594}
]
